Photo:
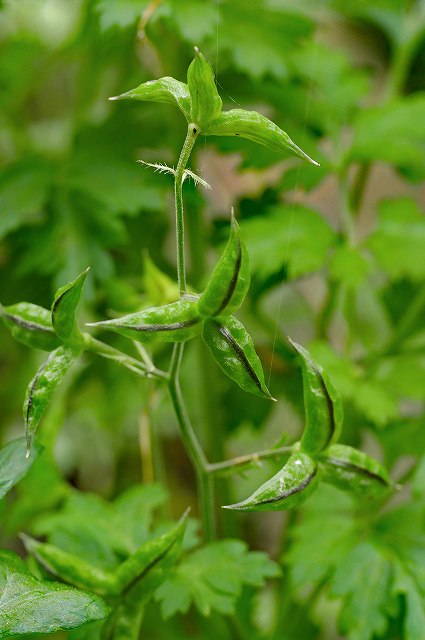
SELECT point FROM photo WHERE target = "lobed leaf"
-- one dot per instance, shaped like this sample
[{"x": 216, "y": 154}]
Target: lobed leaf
[
  {"x": 230, "y": 279},
  {"x": 173, "y": 322},
  {"x": 14, "y": 464},
  {"x": 64, "y": 309},
  {"x": 323, "y": 407},
  {"x": 30, "y": 606},
  {"x": 233, "y": 350},
  {"x": 42, "y": 386},
  {"x": 31, "y": 325},
  {"x": 288, "y": 488},
  {"x": 212, "y": 577},
  {"x": 256, "y": 127}
]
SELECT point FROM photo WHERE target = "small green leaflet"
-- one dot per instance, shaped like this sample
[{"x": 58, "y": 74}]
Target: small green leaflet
[
  {"x": 256, "y": 127},
  {"x": 212, "y": 578},
  {"x": 14, "y": 464},
  {"x": 48, "y": 606},
  {"x": 31, "y": 325},
  {"x": 230, "y": 279},
  {"x": 323, "y": 407},
  {"x": 233, "y": 349},
  {"x": 173, "y": 322},
  {"x": 291, "y": 486},
  {"x": 165, "y": 89},
  {"x": 42, "y": 386},
  {"x": 205, "y": 103},
  {"x": 64, "y": 309}
]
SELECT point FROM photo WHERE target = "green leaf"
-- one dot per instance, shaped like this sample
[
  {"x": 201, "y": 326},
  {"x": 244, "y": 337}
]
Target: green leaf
[
  {"x": 287, "y": 489},
  {"x": 30, "y": 606},
  {"x": 71, "y": 568},
  {"x": 120, "y": 13},
  {"x": 321, "y": 540},
  {"x": 233, "y": 349},
  {"x": 42, "y": 387},
  {"x": 166, "y": 90},
  {"x": 394, "y": 133},
  {"x": 354, "y": 471},
  {"x": 363, "y": 579},
  {"x": 255, "y": 127},
  {"x": 212, "y": 578},
  {"x": 31, "y": 325},
  {"x": 64, "y": 310},
  {"x": 349, "y": 266},
  {"x": 23, "y": 193},
  {"x": 230, "y": 279},
  {"x": 398, "y": 242},
  {"x": 14, "y": 464},
  {"x": 258, "y": 38},
  {"x": 205, "y": 103},
  {"x": 322, "y": 404},
  {"x": 289, "y": 236},
  {"x": 175, "y": 322}
]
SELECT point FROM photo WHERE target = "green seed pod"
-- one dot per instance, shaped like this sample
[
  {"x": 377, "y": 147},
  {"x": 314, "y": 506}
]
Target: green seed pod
[
  {"x": 254, "y": 126},
  {"x": 141, "y": 563},
  {"x": 205, "y": 103},
  {"x": 230, "y": 279},
  {"x": 323, "y": 407},
  {"x": 165, "y": 89},
  {"x": 41, "y": 388},
  {"x": 233, "y": 350},
  {"x": 291, "y": 486},
  {"x": 31, "y": 325},
  {"x": 175, "y": 322},
  {"x": 70, "y": 568},
  {"x": 64, "y": 310},
  {"x": 352, "y": 470}
]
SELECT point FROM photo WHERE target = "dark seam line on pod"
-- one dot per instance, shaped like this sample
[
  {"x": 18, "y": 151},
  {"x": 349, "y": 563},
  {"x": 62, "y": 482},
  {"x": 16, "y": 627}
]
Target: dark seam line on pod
[
  {"x": 160, "y": 327},
  {"x": 38, "y": 374},
  {"x": 25, "y": 324},
  {"x": 246, "y": 365},
  {"x": 149, "y": 567},
  {"x": 57, "y": 301},
  {"x": 330, "y": 408},
  {"x": 233, "y": 282},
  {"x": 292, "y": 491},
  {"x": 353, "y": 467}
]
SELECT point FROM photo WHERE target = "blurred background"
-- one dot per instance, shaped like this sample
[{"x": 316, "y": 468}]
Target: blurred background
[{"x": 337, "y": 253}]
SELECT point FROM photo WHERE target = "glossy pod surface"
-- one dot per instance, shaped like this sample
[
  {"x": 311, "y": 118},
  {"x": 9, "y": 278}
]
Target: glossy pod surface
[
  {"x": 293, "y": 484},
  {"x": 175, "y": 322},
  {"x": 354, "y": 471},
  {"x": 31, "y": 325}
]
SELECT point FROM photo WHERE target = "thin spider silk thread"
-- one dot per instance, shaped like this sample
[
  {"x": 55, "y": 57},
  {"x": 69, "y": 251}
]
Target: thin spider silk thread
[{"x": 297, "y": 181}]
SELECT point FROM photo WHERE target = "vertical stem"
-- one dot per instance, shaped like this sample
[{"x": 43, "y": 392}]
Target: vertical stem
[
  {"x": 192, "y": 133},
  {"x": 205, "y": 482},
  {"x": 192, "y": 446}
]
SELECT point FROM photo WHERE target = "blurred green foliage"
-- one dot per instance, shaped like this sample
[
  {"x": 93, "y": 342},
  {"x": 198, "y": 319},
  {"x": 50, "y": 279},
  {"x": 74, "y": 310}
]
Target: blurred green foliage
[{"x": 337, "y": 262}]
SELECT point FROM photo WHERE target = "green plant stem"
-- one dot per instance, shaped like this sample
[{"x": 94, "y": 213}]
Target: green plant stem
[
  {"x": 106, "y": 351},
  {"x": 192, "y": 446},
  {"x": 192, "y": 133},
  {"x": 241, "y": 463}
]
